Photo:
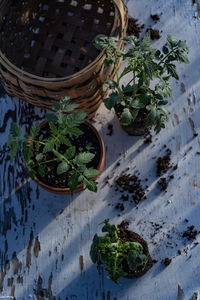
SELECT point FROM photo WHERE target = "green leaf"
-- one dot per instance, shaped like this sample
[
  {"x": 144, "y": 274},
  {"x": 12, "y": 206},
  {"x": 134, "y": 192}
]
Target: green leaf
[
  {"x": 53, "y": 128},
  {"x": 90, "y": 173},
  {"x": 70, "y": 152},
  {"x": 56, "y": 106},
  {"x": 15, "y": 130},
  {"x": 74, "y": 131},
  {"x": 75, "y": 119},
  {"x": 51, "y": 118},
  {"x": 157, "y": 54},
  {"x": 73, "y": 180},
  {"x": 172, "y": 41},
  {"x": 62, "y": 167},
  {"x": 90, "y": 185},
  {"x": 94, "y": 250},
  {"x": 182, "y": 57},
  {"x": 112, "y": 100},
  {"x": 71, "y": 107},
  {"x": 83, "y": 158},
  {"x": 165, "y": 50},
  {"x": 41, "y": 170},
  {"x": 35, "y": 130},
  {"x": 39, "y": 157},
  {"x": 49, "y": 146},
  {"x": 126, "y": 117},
  {"x": 151, "y": 117},
  {"x": 32, "y": 173},
  {"x": 64, "y": 140},
  {"x": 13, "y": 150},
  {"x": 171, "y": 69},
  {"x": 136, "y": 104}
]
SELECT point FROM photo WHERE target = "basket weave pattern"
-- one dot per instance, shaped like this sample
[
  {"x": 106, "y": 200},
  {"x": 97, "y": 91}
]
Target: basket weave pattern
[{"x": 47, "y": 50}]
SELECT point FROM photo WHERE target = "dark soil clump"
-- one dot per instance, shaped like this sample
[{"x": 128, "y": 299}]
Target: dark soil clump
[
  {"x": 148, "y": 139},
  {"x": 167, "y": 261},
  {"x": 155, "y": 17},
  {"x": 163, "y": 184},
  {"x": 154, "y": 33},
  {"x": 132, "y": 184},
  {"x": 190, "y": 233},
  {"x": 110, "y": 129},
  {"x": 133, "y": 27},
  {"x": 120, "y": 206},
  {"x": 163, "y": 163}
]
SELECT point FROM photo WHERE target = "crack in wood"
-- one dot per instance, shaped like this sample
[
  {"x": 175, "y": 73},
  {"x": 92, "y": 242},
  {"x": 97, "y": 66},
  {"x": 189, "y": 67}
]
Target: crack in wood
[
  {"x": 36, "y": 248},
  {"x": 195, "y": 2},
  {"x": 17, "y": 265},
  {"x": 41, "y": 292},
  {"x": 28, "y": 252}
]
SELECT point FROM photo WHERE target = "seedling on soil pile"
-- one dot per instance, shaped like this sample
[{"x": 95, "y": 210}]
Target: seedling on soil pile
[
  {"x": 112, "y": 252},
  {"x": 57, "y": 145},
  {"x": 149, "y": 71}
]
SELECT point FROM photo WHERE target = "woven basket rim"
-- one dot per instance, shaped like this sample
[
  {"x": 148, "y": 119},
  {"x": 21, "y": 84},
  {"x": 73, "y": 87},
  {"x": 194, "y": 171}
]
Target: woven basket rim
[{"x": 36, "y": 78}]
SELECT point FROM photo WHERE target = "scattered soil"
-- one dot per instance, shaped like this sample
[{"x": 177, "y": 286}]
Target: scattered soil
[
  {"x": 120, "y": 206},
  {"x": 132, "y": 184},
  {"x": 155, "y": 17},
  {"x": 82, "y": 141},
  {"x": 163, "y": 184},
  {"x": 110, "y": 129},
  {"x": 126, "y": 235},
  {"x": 167, "y": 261},
  {"x": 190, "y": 233},
  {"x": 125, "y": 197},
  {"x": 148, "y": 139},
  {"x": 133, "y": 27},
  {"x": 154, "y": 33},
  {"x": 163, "y": 163}
]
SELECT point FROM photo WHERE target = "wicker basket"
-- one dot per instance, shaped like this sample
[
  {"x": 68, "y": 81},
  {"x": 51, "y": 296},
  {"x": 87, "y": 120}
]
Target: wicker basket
[{"x": 47, "y": 50}]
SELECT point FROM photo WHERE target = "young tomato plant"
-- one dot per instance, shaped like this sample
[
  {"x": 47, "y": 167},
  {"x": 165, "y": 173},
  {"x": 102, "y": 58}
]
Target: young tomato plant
[
  {"x": 112, "y": 252},
  {"x": 149, "y": 71},
  {"x": 63, "y": 126}
]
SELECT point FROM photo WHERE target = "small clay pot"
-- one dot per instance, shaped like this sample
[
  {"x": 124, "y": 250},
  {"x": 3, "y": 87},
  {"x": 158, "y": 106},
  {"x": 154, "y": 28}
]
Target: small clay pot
[
  {"x": 127, "y": 235},
  {"x": 138, "y": 126},
  {"x": 58, "y": 190}
]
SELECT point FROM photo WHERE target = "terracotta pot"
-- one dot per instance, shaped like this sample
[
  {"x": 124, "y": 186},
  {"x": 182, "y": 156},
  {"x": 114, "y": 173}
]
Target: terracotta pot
[
  {"x": 138, "y": 126},
  {"x": 128, "y": 235},
  {"x": 58, "y": 190}
]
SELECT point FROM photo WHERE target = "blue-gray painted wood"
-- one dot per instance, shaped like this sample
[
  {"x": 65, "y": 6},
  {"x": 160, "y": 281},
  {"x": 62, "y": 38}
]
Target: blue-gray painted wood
[{"x": 45, "y": 238}]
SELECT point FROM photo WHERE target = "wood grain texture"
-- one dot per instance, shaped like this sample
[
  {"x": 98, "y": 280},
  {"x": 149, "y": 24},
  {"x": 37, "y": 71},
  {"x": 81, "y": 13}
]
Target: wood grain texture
[{"x": 45, "y": 239}]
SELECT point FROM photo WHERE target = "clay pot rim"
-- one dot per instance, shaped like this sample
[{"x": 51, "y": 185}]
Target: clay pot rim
[{"x": 79, "y": 187}]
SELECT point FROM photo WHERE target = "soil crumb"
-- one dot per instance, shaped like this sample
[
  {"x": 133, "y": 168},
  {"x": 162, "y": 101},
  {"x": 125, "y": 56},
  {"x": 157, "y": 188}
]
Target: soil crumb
[
  {"x": 120, "y": 206},
  {"x": 190, "y": 233},
  {"x": 110, "y": 129},
  {"x": 154, "y": 33},
  {"x": 163, "y": 163},
  {"x": 163, "y": 184},
  {"x": 133, "y": 27},
  {"x": 167, "y": 261},
  {"x": 132, "y": 184},
  {"x": 155, "y": 18},
  {"x": 148, "y": 139}
]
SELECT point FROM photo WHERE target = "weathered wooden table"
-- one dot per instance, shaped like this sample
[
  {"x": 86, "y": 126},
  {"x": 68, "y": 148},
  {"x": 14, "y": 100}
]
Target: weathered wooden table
[{"x": 45, "y": 238}]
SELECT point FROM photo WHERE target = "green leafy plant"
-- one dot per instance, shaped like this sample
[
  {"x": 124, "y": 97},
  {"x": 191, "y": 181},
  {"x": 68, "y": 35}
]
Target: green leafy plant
[
  {"x": 149, "y": 71},
  {"x": 112, "y": 252},
  {"x": 63, "y": 126}
]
